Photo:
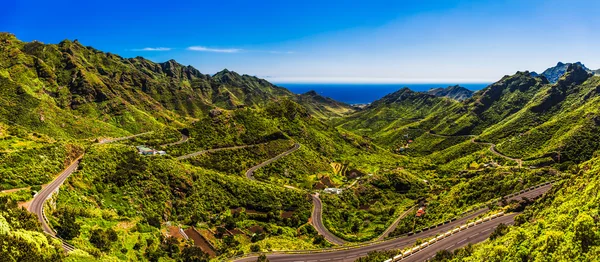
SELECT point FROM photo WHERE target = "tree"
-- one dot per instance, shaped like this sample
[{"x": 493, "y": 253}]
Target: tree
[
  {"x": 193, "y": 254},
  {"x": 262, "y": 258},
  {"x": 319, "y": 240},
  {"x": 584, "y": 231},
  {"x": 68, "y": 227},
  {"x": 100, "y": 239},
  {"x": 500, "y": 230}
]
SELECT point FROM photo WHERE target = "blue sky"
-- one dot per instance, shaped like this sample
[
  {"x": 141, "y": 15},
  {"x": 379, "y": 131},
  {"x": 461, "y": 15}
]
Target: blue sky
[{"x": 327, "y": 41}]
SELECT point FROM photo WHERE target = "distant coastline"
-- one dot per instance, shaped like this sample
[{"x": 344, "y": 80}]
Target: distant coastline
[{"x": 366, "y": 93}]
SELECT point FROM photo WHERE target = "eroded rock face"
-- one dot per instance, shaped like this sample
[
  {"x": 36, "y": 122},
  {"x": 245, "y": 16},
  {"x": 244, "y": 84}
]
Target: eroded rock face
[
  {"x": 553, "y": 74},
  {"x": 215, "y": 112},
  {"x": 455, "y": 92}
]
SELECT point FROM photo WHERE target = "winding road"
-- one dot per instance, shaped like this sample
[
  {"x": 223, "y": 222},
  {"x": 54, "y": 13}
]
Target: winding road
[
  {"x": 317, "y": 222},
  {"x": 201, "y": 152},
  {"x": 494, "y": 151},
  {"x": 110, "y": 140},
  {"x": 250, "y": 172},
  {"x": 317, "y": 212},
  {"x": 183, "y": 139},
  {"x": 353, "y": 253},
  {"x": 393, "y": 226},
  {"x": 492, "y": 146},
  {"x": 37, "y": 204}
]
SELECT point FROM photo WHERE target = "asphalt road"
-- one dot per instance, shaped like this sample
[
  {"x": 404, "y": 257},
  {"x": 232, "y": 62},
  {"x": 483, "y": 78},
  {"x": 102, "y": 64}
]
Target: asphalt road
[
  {"x": 250, "y": 172},
  {"x": 110, "y": 140},
  {"x": 317, "y": 222},
  {"x": 393, "y": 226},
  {"x": 201, "y": 152},
  {"x": 475, "y": 234},
  {"x": 352, "y": 254},
  {"x": 494, "y": 151},
  {"x": 37, "y": 204},
  {"x": 492, "y": 146},
  {"x": 183, "y": 139}
]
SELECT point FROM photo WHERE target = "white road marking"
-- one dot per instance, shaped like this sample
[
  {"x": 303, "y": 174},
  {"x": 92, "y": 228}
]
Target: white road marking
[
  {"x": 473, "y": 235},
  {"x": 486, "y": 230},
  {"x": 461, "y": 241}
]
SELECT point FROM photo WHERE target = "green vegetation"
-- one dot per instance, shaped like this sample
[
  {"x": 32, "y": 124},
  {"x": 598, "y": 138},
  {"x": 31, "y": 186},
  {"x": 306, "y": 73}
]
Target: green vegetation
[
  {"x": 21, "y": 238},
  {"x": 406, "y": 149},
  {"x": 559, "y": 227}
]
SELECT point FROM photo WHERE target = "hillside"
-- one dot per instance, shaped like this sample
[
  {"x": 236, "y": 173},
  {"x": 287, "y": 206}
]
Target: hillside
[
  {"x": 225, "y": 178},
  {"x": 555, "y": 72},
  {"x": 48, "y": 86},
  {"x": 455, "y": 92},
  {"x": 323, "y": 107}
]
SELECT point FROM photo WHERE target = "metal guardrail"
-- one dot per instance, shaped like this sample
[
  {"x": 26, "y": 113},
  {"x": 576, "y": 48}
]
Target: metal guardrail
[
  {"x": 358, "y": 245},
  {"x": 449, "y": 233},
  {"x": 412, "y": 250}
]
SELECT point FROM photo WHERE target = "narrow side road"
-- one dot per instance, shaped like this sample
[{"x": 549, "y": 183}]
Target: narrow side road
[
  {"x": 250, "y": 172},
  {"x": 183, "y": 139},
  {"x": 110, "y": 140},
  {"x": 317, "y": 222},
  {"x": 493, "y": 150},
  {"x": 492, "y": 146},
  {"x": 201, "y": 152},
  {"x": 353, "y": 253},
  {"x": 393, "y": 226}
]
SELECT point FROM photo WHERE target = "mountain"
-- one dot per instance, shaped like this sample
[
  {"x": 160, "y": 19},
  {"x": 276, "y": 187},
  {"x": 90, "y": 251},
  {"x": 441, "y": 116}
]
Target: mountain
[
  {"x": 48, "y": 86},
  {"x": 560, "y": 123},
  {"x": 382, "y": 119},
  {"x": 455, "y": 92},
  {"x": 554, "y": 73},
  {"x": 323, "y": 107}
]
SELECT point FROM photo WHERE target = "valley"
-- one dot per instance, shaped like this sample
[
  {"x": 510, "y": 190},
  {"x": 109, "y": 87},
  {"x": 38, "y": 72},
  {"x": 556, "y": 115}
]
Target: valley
[{"x": 257, "y": 172}]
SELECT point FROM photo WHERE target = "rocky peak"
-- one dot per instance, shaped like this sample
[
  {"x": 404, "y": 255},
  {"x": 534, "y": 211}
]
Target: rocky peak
[
  {"x": 455, "y": 92},
  {"x": 311, "y": 93},
  {"x": 574, "y": 74},
  {"x": 554, "y": 73}
]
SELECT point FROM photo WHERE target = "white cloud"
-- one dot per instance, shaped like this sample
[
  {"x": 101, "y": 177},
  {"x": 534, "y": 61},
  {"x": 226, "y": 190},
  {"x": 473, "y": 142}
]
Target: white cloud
[
  {"x": 235, "y": 50},
  {"x": 152, "y": 49},
  {"x": 214, "y": 50}
]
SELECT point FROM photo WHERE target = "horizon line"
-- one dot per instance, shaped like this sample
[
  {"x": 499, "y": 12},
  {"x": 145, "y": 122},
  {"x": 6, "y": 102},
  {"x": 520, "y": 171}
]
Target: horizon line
[{"x": 373, "y": 81}]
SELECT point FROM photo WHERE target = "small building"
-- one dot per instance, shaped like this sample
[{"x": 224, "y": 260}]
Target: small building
[
  {"x": 144, "y": 150},
  {"x": 332, "y": 190},
  {"x": 421, "y": 211}
]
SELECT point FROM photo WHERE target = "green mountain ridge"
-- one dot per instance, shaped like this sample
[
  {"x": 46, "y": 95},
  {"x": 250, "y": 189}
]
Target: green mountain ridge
[
  {"x": 455, "y": 92},
  {"x": 407, "y": 149}
]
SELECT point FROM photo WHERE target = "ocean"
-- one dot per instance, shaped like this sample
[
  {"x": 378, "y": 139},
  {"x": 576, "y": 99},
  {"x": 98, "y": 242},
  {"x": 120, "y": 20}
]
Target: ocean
[{"x": 365, "y": 93}]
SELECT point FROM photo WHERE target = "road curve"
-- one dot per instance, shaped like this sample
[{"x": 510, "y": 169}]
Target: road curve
[
  {"x": 250, "y": 172},
  {"x": 183, "y": 139},
  {"x": 492, "y": 146},
  {"x": 353, "y": 253},
  {"x": 201, "y": 152},
  {"x": 495, "y": 152},
  {"x": 37, "y": 204},
  {"x": 110, "y": 140},
  {"x": 317, "y": 222},
  {"x": 393, "y": 226}
]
